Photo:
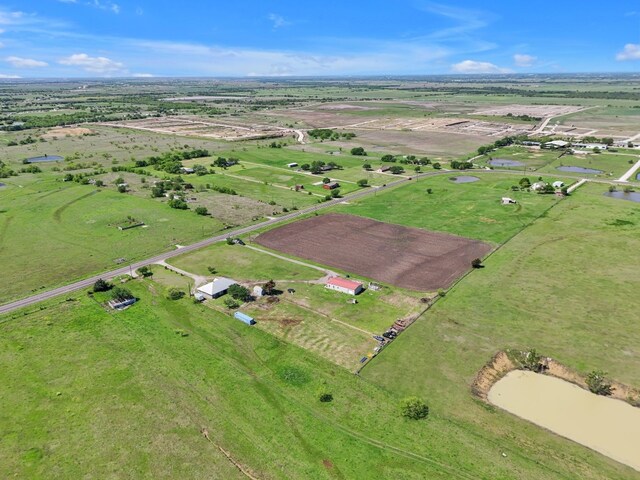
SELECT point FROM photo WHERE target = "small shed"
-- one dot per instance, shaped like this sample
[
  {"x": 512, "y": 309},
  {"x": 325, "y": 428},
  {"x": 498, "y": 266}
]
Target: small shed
[
  {"x": 243, "y": 317},
  {"x": 199, "y": 297},
  {"x": 258, "y": 291},
  {"x": 292, "y": 164},
  {"x": 331, "y": 185},
  {"x": 187, "y": 170},
  {"x": 121, "y": 304},
  {"x": 558, "y": 184},
  {"x": 299, "y": 187},
  {"x": 508, "y": 201}
]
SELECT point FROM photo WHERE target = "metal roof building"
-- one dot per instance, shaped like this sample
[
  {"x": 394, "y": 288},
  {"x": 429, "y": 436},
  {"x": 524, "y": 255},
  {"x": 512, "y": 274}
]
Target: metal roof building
[
  {"x": 343, "y": 285},
  {"x": 217, "y": 288}
]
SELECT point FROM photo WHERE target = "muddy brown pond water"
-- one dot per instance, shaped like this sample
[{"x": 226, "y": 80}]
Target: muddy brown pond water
[{"x": 606, "y": 425}]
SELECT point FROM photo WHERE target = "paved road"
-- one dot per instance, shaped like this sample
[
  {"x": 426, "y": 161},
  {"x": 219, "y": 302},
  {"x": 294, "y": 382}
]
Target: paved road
[{"x": 125, "y": 270}]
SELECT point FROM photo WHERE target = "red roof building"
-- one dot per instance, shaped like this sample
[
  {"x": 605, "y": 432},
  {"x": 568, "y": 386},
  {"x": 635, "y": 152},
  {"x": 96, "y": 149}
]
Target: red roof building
[{"x": 343, "y": 285}]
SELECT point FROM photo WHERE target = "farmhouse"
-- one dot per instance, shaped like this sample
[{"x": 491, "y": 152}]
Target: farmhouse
[
  {"x": 538, "y": 186},
  {"x": 330, "y": 185},
  {"x": 217, "y": 288},
  {"x": 343, "y": 285},
  {"x": 558, "y": 184},
  {"x": 384, "y": 169},
  {"x": 187, "y": 170}
]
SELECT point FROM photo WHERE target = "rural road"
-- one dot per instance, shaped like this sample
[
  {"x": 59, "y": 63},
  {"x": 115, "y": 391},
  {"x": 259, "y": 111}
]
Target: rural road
[{"x": 162, "y": 257}]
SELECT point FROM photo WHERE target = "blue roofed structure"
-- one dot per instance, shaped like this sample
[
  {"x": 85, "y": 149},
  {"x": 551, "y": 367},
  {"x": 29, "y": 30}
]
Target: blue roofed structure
[{"x": 243, "y": 317}]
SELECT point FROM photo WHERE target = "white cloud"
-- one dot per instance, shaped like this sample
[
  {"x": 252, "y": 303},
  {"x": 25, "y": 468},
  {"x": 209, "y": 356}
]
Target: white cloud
[
  {"x": 631, "y": 51},
  {"x": 523, "y": 60},
  {"x": 11, "y": 18},
  {"x": 4, "y": 75},
  {"x": 93, "y": 64},
  {"x": 278, "y": 20},
  {"x": 19, "y": 62},
  {"x": 1, "y": 31},
  {"x": 471, "y": 66}
]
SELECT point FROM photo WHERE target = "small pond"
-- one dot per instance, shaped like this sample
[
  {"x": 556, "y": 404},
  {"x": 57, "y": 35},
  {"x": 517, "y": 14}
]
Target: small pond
[
  {"x": 47, "y": 158},
  {"x": 464, "y": 179},
  {"x": 2, "y": 185},
  {"x": 631, "y": 196},
  {"x": 568, "y": 168},
  {"x": 638, "y": 176},
  {"x": 503, "y": 162},
  {"x": 606, "y": 425}
]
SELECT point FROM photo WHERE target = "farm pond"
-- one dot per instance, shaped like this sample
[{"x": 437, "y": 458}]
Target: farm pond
[
  {"x": 44, "y": 158},
  {"x": 606, "y": 425},
  {"x": 464, "y": 179},
  {"x": 568, "y": 168},
  {"x": 503, "y": 162},
  {"x": 631, "y": 196}
]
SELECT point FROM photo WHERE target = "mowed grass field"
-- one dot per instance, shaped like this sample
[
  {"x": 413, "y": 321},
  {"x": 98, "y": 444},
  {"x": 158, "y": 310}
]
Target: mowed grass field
[
  {"x": 54, "y": 232},
  {"x": 105, "y": 394},
  {"x": 471, "y": 210},
  {"x": 565, "y": 286},
  {"x": 242, "y": 263}
]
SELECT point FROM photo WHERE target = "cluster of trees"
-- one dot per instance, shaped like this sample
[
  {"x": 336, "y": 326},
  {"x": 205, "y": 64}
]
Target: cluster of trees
[
  {"x": 24, "y": 141},
  {"x": 396, "y": 169},
  {"x": 456, "y": 165},
  {"x": 222, "y": 162},
  {"x": 31, "y": 169},
  {"x": 53, "y": 120},
  {"x": 160, "y": 188},
  {"x": 329, "y": 134},
  {"x": 178, "y": 203},
  {"x": 592, "y": 139},
  {"x": 171, "y": 162},
  {"x": 316, "y": 166},
  {"x": 502, "y": 142},
  {"x": 227, "y": 190},
  {"x": 5, "y": 171},
  {"x": 525, "y": 118},
  {"x": 358, "y": 152},
  {"x": 407, "y": 160}
]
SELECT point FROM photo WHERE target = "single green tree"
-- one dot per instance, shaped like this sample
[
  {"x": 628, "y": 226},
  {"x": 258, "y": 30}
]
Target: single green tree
[
  {"x": 363, "y": 183},
  {"x": 175, "y": 294},
  {"x": 413, "y": 408},
  {"x": 101, "y": 285},
  {"x": 238, "y": 292}
]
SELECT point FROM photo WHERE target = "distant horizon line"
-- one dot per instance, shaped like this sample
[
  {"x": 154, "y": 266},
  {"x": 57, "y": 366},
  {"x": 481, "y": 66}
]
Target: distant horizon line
[{"x": 307, "y": 77}]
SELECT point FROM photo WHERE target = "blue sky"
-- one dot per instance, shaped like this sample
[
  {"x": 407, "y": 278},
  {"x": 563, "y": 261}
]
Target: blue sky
[{"x": 123, "y": 38}]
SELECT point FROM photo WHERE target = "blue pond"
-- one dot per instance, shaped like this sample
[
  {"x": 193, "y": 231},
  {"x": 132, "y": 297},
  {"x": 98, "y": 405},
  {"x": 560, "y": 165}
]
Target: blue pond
[
  {"x": 503, "y": 162},
  {"x": 48, "y": 158},
  {"x": 631, "y": 196},
  {"x": 464, "y": 179},
  {"x": 592, "y": 171}
]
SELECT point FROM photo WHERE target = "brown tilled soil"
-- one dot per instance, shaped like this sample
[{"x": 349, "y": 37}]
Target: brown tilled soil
[{"x": 401, "y": 256}]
